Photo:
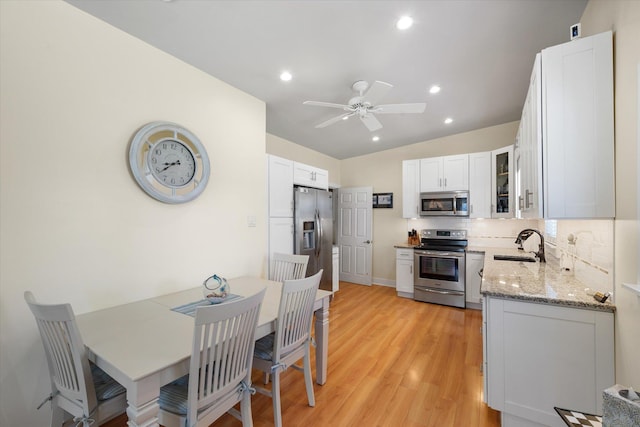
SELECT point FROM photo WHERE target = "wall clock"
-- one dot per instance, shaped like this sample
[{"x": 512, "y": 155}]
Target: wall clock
[{"x": 169, "y": 162}]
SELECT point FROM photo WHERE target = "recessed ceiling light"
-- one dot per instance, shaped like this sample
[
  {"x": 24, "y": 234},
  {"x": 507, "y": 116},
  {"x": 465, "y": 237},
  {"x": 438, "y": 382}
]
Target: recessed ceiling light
[
  {"x": 404, "y": 22},
  {"x": 375, "y": 139},
  {"x": 434, "y": 89},
  {"x": 285, "y": 76},
  {"x": 448, "y": 120},
  {"x": 345, "y": 118}
]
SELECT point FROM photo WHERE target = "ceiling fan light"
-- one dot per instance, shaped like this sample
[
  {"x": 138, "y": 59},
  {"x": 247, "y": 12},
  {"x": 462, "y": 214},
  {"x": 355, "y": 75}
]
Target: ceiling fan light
[
  {"x": 434, "y": 89},
  {"x": 448, "y": 121},
  {"x": 375, "y": 138},
  {"x": 404, "y": 22},
  {"x": 285, "y": 76}
]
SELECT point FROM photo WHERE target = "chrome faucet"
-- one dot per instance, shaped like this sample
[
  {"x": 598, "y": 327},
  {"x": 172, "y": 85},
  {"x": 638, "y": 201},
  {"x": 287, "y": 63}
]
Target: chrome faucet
[{"x": 524, "y": 235}]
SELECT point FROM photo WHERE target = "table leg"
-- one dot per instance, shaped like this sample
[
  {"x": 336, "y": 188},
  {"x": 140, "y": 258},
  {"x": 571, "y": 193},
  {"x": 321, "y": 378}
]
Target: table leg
[
  {"x": 322, "y": 341},
  {"x": 143, "y": 407}
]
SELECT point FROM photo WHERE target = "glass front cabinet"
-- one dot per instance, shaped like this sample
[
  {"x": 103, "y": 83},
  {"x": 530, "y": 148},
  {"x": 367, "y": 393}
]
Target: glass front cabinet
[{"x": 502, "y": 177}]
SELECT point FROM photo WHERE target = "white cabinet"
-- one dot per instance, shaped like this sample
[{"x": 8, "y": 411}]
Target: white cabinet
[
  {"x": 280, "y": 187},
  {"x": 404, "y": 272},
  {"x": 448, "y": 173},
  {"x": 502, "y": 183},
  {"x": 310, "y": 176},
  {"x": 473, "y": 279},
  {"x": 528, "y": 151},
  {"x": 411, "y": 188},
  {"x": 280, "y": 235},
  {"x": 543, "y": 356},
  {"x": 577, "y": 91},
  {"x": 480, "y": 185},
  {"x": 335, "y": 269}
]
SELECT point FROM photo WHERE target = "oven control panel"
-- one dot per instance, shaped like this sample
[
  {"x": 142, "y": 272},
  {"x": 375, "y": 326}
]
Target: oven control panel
[{"x": 443, "y": 234}]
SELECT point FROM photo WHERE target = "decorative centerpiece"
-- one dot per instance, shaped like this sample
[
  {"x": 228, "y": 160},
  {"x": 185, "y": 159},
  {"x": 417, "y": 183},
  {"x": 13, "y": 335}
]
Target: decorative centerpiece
[{"x": 216, "y": 289}]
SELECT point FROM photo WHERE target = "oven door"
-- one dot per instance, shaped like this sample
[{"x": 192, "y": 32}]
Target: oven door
[{"x": 439, "y": 270}]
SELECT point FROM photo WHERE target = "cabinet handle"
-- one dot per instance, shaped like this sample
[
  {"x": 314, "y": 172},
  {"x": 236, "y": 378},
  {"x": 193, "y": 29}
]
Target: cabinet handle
[
  {"x": 445, "y": 183},
  {"x": 520, "y": 203},
  {"x": 528, "y": 203},
  {"x": 470, "y": 208},
  {"x": 481, "y": 272},
  {"x": 411, "y": 269},
  {"x": 439, "y": 182}
]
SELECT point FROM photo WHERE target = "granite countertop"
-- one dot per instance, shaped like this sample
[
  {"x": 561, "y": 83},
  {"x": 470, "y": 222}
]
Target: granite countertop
[
  {"x": 404, "y": 245},
  {"x": 536, "y": 282}
]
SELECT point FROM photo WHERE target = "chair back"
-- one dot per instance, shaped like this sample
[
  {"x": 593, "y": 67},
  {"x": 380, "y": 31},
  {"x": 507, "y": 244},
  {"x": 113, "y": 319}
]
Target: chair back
[
  {"x": 294, "y": 315},
  {"x": 222, "y": 355},
  {"x": 71, "y": 381},
  {"x": 288, "y": 267}
]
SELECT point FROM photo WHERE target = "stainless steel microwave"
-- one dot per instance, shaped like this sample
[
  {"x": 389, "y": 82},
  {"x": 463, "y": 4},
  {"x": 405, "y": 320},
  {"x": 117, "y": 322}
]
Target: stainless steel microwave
[{"x": 445, "y": 203}]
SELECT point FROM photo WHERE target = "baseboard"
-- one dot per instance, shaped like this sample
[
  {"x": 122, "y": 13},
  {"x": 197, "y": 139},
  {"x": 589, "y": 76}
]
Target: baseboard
[{"x": 384, "y": 282}]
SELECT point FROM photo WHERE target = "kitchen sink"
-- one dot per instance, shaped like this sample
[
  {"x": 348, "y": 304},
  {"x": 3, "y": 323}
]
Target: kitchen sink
[{"x": 514, "y": 258}]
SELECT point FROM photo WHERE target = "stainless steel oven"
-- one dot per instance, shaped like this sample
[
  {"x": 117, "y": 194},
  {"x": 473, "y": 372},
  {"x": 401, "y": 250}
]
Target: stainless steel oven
[{"x": 439, "y": 267}]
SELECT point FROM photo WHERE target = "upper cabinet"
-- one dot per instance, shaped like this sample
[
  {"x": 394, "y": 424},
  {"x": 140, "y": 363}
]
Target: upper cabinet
[
  {"x": 480, "y": 185},
  {"x": 502, "y": 183},
  {"x": 411, "y": 188},
  {"x": 528, "y": 150},
  {"x": 280, "y": 187},
  {"x": 448, "y": 173},
  {"x": 310, "y": 176},
  {"x": 565, "y": 149},
  {"x": 578, "y": 150}
]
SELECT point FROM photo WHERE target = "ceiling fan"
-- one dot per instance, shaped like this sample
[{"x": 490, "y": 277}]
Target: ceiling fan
[{"x": 365, "y": 105}]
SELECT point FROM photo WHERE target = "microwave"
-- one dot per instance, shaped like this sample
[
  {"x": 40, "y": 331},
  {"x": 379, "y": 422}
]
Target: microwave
[{"x": 444, "y": 203}]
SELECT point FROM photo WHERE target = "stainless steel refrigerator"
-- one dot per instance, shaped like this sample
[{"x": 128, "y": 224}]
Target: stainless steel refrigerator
[{"x": 313, "y": 224}]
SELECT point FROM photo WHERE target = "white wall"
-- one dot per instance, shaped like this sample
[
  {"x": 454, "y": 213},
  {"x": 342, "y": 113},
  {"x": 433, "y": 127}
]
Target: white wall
[{"x": 74, "y": 225}]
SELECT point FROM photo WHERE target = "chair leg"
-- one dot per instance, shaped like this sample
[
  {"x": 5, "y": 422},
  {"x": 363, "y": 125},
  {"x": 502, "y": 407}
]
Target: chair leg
[
  {"x": 245, "y": 410},
  {"x": 308, "y": 379},
  {"x": 275, "y": 396}
]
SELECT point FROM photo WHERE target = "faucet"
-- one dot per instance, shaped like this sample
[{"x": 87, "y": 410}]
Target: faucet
[{"x": 524, "y": 235}]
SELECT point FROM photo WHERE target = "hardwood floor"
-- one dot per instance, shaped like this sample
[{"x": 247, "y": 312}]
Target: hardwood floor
[{"x": 392, "y": 362}]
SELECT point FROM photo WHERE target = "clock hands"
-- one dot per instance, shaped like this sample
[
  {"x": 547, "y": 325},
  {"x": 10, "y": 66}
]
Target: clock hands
[{"x": 168, "y": 165}]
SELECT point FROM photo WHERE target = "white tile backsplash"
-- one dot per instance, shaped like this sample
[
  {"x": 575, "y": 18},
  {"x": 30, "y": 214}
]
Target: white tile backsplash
[{"x": 590, "y": 256}]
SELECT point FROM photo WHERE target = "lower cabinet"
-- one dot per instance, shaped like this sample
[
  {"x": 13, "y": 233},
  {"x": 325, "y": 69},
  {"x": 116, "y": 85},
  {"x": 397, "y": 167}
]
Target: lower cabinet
[
  {"x": 540, "y": 356},
  {"x": 404, "y": 272},
  {"x": 473, "y": 279}
]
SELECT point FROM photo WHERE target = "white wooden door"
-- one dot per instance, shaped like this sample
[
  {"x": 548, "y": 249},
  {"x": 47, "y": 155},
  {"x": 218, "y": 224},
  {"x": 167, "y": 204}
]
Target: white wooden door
[{"x": 355, "y": 234}]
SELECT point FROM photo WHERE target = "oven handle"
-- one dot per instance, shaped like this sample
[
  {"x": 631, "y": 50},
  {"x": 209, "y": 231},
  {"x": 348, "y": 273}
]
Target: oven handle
[
  {"x": 435, "y": 291},
  {"x": 441, "y": 254}
]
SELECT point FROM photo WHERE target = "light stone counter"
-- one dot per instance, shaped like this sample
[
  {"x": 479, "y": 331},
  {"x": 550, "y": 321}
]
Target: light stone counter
[
  {"x": 544, "y": 283},
  {"x": 403, "y": 246}
]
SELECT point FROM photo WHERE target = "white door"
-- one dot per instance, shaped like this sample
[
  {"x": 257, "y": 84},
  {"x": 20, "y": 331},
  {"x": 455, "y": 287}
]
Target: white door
[{"x": 354, "y": 234}]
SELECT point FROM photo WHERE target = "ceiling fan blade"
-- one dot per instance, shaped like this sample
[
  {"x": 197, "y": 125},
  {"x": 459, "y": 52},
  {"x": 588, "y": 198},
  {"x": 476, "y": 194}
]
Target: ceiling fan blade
[
  {"x": 334, "y": 120},
  {"x": 376, "y": 92},
  {"x": 417, "y": 107},
  {"x": 327, "y": 104},
  {"x": 371, "y": 122}
]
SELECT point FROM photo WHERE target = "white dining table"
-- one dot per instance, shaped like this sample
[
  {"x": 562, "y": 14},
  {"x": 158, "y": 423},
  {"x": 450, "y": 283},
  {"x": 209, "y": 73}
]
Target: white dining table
[{"x": 145, "y": 344}]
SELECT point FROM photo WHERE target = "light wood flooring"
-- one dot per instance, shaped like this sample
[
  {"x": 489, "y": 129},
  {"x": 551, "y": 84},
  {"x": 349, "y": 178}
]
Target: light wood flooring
[{"x": 392, "y": 362}]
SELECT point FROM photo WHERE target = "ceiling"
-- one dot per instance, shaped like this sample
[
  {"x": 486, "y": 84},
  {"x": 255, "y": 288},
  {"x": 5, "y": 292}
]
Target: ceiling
[{"x": 480, "y": 52}]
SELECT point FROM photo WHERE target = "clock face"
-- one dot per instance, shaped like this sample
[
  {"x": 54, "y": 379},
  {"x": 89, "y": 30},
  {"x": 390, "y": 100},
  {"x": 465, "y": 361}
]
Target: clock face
[
  {"x": 168, "y": 162},
  {"x": 172, "y": 163}
]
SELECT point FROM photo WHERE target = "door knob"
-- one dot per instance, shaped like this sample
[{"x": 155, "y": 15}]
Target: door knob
[{"x": 367, "y": 242}]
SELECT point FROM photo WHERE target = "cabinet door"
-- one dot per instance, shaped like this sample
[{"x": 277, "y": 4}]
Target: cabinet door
[
  {"x": 410, "y": 188},
  {"x": 321, "y": 178},
  {"x": 280, "y": 236},
  {"x": 502, "y": 183},
  {"x": 280, "y": 187},
  {"x": 455, "y": 172},
  {"x": 475, "y": 263},
  {"x": 310, "y": 176},
  {"x": 530, "y": 148},
  {"x": 431, "y": 174},
  {"x": 480, "y": 185},
  {"x": 404, "y": 272},
  {"x": 578, "y": 128}
]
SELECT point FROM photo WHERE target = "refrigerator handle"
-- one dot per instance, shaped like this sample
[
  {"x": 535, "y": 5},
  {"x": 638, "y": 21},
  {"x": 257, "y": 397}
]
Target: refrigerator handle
[{"x": 319, "y": 235}]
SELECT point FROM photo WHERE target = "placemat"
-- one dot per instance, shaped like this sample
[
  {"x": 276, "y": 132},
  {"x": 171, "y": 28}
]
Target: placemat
[
  {"x": 190, "y": 308},
  {"x": 579, "y": 419}
]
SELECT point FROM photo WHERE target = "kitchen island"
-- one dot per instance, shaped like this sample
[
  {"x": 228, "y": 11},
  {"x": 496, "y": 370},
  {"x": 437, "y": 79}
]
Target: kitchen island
[{"x": 547, "y": 342}]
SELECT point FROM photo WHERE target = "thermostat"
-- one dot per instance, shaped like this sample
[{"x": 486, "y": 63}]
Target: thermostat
[{"x": 576, "y": 31}]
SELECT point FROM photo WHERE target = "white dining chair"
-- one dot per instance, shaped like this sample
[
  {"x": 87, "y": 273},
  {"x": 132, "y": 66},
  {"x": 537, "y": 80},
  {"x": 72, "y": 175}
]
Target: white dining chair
[
  {"x": 79, "y": 389},
  {"x": 220, "y": 367},
  {"x": 287, "y": 266},
  {"x": 291, "y": 340}
]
